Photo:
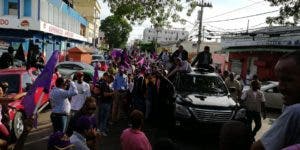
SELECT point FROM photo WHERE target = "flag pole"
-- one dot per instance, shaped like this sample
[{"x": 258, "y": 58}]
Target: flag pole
[{"x": 38, "y": 103}]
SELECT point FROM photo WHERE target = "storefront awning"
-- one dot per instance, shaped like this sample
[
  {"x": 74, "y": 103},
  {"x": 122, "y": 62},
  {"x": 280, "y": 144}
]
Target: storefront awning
[{"x": 286, "y": 49}]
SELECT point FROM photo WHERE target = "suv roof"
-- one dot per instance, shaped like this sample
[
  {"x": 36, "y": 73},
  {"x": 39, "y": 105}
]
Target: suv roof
[
  {"x": 13, "y": 70},
  {"x": 201, "y": 71}
]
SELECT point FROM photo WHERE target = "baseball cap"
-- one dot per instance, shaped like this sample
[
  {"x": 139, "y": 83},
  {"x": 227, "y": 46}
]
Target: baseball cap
[
  {"x": 79, "y": 74},
  {"x": 60, "y": 141},
  {"x": 85, "y": 123}
]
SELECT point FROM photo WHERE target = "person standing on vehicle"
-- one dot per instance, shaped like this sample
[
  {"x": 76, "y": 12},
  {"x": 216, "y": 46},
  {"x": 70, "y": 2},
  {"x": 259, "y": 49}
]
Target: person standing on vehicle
[
  {"x": 234, "y": 87},
  {"x": 7, "y": 58},
  {"x": 83, "y": 89},
  {"x": 61, "y": 106},
  {"x": 254, "y": 101},
  {"x": 180, "y": 53},
  {"x": 203, "y": 59},
  {"x": 285, "y": 131}
]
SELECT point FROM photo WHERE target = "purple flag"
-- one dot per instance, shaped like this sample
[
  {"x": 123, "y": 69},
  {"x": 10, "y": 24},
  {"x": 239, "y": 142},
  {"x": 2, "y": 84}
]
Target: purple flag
[
  {"x": 42, "y": 81},
  {"x": 96, "y": 75},
  {"x": 116, "y": 53},
  {"x": 141, "y": 61}
]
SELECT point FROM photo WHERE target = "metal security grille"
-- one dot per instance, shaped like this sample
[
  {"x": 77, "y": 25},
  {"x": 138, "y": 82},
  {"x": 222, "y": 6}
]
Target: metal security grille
[{"x": 206, "y": 115}]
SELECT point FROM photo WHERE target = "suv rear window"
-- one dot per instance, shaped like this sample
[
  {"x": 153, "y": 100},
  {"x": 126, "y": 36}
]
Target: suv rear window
[
  {"x": 202, "y": 84},
  {"x": 13, "y": 81},
  {"x": 69, "y": 66}
]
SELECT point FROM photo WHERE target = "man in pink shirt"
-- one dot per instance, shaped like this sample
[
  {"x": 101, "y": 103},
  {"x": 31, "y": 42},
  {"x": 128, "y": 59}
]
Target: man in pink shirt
[{"x": 133, "y": 138}]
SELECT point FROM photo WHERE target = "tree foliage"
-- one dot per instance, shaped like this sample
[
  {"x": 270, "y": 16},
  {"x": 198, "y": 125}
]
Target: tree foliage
[
  {"x": 289, "y": 12},
  {"x": 147, "y": 47},
  {"x": 160, "y": 13},
  {"x": 116, "y": 30}
]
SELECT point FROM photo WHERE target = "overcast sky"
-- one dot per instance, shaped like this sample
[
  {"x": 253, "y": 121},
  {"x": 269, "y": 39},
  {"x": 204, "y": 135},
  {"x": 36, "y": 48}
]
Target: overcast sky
[{"x": 248, "y": 7}]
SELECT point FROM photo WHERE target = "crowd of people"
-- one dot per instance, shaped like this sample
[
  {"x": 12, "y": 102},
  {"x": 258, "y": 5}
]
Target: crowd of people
[
  {"x": 133, "y": 85},
  {"x": 140, "y": 89}
]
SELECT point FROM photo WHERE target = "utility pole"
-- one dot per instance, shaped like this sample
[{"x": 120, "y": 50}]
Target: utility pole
[
  {"x": 248, "y": 27},
  {"x": 202, "y": 5}
]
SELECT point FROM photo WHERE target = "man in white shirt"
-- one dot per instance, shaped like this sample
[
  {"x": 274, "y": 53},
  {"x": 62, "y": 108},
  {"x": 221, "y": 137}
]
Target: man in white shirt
[
  {"x": 286, "y": 129},
  {"x": 254, "y": 100},
  {"x": 234, "y": 87},
  {"x": 83, "y": 89},
  {"x": 60, "y": 103}
]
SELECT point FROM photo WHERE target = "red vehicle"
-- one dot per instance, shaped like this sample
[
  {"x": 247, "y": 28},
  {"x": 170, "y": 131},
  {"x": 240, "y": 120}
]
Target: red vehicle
[{"x": 20, "y": 80}]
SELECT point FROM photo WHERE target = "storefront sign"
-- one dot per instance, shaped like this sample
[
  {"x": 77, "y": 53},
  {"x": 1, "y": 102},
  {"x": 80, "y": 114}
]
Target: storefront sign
[
  {"x": 284, "y": 40},
  {"x": 12, "y": 22},
  {"x": 25, "y": 23},
  {"x": 49, "y": 28},
  {"x": 4, "y": 22}
]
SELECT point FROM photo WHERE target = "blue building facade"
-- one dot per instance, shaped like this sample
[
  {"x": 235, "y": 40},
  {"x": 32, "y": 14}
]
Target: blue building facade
[{"x": 51, "y": 24}]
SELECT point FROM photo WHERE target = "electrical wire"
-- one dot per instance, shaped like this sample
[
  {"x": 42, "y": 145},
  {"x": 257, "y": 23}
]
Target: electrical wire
[
  {"x": 259, "y": 14},
  {"x": 241, "y": 8}
]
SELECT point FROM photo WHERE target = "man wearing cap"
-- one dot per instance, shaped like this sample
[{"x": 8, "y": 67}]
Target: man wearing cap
[
  {"x": 84, "y": 128},
  {"x": 59, "y": 140},
  {"x": 83, "y": 89},
  {"x": 120, "y": 87}
]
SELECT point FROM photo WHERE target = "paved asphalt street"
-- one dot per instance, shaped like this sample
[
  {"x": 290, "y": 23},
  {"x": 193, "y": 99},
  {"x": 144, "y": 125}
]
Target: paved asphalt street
[{"x": 37, "y": 139}]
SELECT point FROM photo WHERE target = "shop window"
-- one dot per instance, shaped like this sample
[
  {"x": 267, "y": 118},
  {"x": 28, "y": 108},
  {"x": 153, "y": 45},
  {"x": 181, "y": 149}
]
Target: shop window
[
  {"x": 12, "y": 8},
  {"x": 27, "y": 8},
  {"x": 82, "y": 30}
]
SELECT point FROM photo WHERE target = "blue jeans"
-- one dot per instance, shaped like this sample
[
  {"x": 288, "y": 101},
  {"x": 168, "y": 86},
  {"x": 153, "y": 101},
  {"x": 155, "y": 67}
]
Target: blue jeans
[
  {"x": 59, "y": 122},
  {"x": 104, "y": 112}
]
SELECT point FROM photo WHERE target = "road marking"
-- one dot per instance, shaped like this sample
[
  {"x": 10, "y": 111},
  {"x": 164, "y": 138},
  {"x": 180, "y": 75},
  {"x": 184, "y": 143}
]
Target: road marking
[{"x": 35, "y": 141}]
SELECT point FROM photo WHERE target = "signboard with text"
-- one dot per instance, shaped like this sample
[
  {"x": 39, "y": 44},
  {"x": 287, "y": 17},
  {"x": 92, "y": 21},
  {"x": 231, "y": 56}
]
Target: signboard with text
[
  {"x": 49, "y": 28},
  {"x": 282, "y": 40},
  {"x": 12, "y": 22}
]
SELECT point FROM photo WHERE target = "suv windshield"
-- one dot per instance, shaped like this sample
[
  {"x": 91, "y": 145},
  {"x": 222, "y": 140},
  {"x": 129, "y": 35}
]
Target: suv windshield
[
  {"x": 211, "y": 85},
  {"x": 13, "y": 81}
]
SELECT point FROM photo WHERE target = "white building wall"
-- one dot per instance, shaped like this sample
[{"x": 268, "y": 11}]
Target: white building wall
[
  {"x": 34, "y": 10},
  {"x": 164, "y": 35}
]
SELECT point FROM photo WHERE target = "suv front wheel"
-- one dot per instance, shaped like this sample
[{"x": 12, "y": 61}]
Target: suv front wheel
[{"x": 18, "y": 125}]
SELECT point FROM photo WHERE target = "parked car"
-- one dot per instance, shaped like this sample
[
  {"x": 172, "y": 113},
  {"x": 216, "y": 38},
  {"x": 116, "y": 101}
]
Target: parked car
[
  {"x": 98, "y": 57},
  {"x": 202, "y": 100},
  {"x": 19, "y": 80},
  {"x": 274, "y": 99},
  {"x": 68, "y": 69}
]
